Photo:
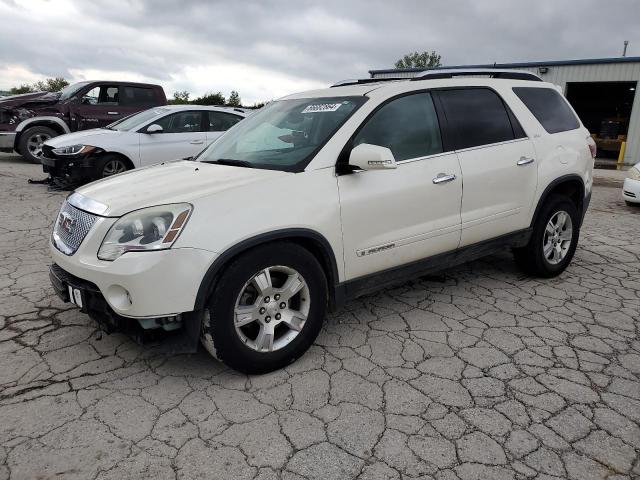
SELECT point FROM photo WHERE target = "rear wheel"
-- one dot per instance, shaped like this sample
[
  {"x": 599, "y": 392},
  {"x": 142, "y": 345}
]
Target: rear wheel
[
  {"x": 31, "y": 141},
  {"x": 553, "y": 240},
  {"x": 267, "y": 308}
]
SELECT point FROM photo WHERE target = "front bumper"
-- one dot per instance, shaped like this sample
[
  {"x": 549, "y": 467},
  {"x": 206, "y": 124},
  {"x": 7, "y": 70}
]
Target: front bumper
[
  {"x": 138, "y": 284},
  {"x": 7, "y": 141},
  {"x": 180, "y": 334},
  {"x": 631, "y": 190},
  {"x": 73, "y": 170}
]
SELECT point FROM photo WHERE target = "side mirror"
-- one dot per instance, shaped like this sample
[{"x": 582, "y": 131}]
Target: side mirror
[
  {"x": 372, "y": 157},
  {"x": 154, "y": 128}
]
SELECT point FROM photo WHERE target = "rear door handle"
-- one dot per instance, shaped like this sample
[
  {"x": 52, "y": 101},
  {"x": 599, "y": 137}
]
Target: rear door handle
[
  {"x": 444, "y": 178},
  {"x": 196, "y": 142},
  {"x": 113, "y": 113},
  {"x": 525, "y": 161}
]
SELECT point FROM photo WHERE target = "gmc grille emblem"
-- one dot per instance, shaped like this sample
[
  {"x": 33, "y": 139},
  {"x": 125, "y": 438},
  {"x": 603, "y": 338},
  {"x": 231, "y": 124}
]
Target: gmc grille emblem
[{"x": 66, "y": 221}]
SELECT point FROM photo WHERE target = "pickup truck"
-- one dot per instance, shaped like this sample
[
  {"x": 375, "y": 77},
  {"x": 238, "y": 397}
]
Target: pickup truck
[{"x": 28, "y": 120}]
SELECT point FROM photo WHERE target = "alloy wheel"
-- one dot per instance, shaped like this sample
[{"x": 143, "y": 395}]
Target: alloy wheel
[
  {"x": 557, "y": 237},
  {"x": 272, "y": 308},
  {"x": 113, "y": 167},
  {"x": 34, "y": 144}
]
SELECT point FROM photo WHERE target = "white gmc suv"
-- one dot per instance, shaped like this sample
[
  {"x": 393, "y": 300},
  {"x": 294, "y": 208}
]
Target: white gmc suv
[{"x": 322, "y": 196}]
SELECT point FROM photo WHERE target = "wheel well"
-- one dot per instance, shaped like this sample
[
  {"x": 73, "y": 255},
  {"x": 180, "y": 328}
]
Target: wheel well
[
  {"x": 42, "y": 123},
  {"x": 572, "y": 188},
  {"x": 313, "y": 243},
  {"x": 45, "y": 123}
]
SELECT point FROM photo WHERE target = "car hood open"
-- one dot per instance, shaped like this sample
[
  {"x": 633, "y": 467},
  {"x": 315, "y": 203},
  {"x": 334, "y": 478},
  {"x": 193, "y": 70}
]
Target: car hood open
[{"x": 169, "y": 182}]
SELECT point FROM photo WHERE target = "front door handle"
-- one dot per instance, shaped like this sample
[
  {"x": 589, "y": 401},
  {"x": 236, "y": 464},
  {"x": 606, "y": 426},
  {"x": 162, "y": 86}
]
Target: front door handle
[
  {"x": 196, "y": 142},
  {"x": 525, "y": 161},
  {"x": 113, "y": 113},
  {"x": 444, "y": 178}
]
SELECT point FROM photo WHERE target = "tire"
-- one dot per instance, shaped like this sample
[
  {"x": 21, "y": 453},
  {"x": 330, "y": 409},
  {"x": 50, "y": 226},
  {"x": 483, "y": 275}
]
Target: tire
[
  {"x": 31, "y": 140},
  {"x": 533, "y": 258},
  {"x": 243, "y": 347},
  {"x": 110, "y": 164}
]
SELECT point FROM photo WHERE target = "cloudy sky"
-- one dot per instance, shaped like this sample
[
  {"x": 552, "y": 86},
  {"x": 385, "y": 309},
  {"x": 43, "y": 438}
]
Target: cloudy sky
[{"x": 266, "y": 49}]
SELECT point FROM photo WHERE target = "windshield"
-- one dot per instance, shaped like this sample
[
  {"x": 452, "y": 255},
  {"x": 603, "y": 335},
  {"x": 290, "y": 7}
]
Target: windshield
[
  {"x": 133, "y": 121},
  {"x": 284, "y": 135},
  {"x": 69, "y": 91}
]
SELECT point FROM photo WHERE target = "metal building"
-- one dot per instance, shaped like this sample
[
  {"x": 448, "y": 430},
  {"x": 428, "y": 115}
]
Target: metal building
[{"x": 601, "y": 90}]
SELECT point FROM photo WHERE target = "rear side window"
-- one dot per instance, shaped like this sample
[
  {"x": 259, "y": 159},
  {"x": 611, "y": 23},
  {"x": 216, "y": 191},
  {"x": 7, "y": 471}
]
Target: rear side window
[
  {"x": 478, "y": 116},
  {"x": 408, "y": 126},
  {"x": 137, "y": 96},
  {"x": 549, "y": 108}
]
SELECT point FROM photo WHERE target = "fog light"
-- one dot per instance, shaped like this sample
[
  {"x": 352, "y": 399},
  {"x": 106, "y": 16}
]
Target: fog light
[{"x": 119, "y": 297}]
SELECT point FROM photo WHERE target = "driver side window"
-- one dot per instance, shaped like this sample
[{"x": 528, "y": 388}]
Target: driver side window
[
  {"x": 102, "y": 95},
  {"x": 408, "y": 126}
]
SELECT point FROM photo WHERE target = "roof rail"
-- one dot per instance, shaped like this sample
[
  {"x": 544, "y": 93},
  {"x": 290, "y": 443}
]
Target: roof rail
[
  {"x": 361, "y": 81},
  {"x": 491, "y": 72}
]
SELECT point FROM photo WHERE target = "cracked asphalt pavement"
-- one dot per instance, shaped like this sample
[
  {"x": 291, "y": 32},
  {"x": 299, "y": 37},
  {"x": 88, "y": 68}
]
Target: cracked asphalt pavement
[{"x": 476, "y": 373}]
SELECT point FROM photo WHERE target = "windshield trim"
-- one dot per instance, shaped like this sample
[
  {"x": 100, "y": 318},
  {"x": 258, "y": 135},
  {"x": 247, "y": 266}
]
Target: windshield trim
[{"x": 302, "y": 164}]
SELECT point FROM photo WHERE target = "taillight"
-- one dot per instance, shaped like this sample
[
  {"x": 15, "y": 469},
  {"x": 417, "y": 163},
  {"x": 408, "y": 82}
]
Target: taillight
[{"x": 592, "y": 146}]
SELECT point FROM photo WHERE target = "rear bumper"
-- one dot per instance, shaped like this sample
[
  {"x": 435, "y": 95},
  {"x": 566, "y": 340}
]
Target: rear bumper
[
  {"x": 7, "y": 141},
  {"x": 631, "y": 190}
]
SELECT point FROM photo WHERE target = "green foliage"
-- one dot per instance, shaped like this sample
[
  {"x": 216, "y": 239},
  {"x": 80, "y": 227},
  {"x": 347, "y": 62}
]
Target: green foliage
[
  {"x": 24, "y": 88},
  {"x": 179, "y": 98},
  {"x": 419, "y": 60},
  {"x": 210, "y": 98},
  {"x": 234, "y": 99},
  {"x": 50, "y": 85}
]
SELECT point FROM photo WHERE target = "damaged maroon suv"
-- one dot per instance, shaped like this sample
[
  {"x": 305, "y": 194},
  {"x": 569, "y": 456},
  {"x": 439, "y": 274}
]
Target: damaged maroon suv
[{"x": 28, "y": 120}]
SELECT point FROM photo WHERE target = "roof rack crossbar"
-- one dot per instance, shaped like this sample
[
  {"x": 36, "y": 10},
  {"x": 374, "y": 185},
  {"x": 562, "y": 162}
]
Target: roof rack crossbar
[
  {"x": 362, "y": 81},
  {"x": 491, "y": 72}
]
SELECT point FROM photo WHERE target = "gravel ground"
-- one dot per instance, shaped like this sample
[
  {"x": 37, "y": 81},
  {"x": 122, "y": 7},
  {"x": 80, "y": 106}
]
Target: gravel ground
[{"x": 478, "y": 373}]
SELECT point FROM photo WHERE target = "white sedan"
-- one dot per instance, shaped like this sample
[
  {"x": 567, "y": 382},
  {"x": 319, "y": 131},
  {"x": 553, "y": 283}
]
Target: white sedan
[
  {"x": 156, "y": 135},
  {"x": 631, "y": 187}
]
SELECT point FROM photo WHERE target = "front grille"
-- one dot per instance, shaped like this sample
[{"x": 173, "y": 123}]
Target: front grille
[
  {"x": 630, "y": 194},
  {"x": 71, "y": 226}
]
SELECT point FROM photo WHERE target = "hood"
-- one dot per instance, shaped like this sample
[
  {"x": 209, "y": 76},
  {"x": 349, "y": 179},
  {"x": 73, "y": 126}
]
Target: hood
[
  {"x": 170, "y": 182},
  {"x": 87, "y": 137},
  {"x": 28, "y": 99}
]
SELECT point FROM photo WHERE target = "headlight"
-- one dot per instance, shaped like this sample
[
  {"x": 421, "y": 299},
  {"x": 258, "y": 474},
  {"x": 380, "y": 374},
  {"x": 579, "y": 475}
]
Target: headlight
[
  {"x": 153, "y": 228},
  {"x": 73, "y": 149},
  {"x": 633, "y": 173}
]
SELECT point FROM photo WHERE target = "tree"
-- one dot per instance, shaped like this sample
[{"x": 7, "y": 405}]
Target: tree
[
  {"x": 210, "y": 98},
  {"x": 234, "y": 99},
  {"x": 419, "y": 60},
  {"x": 50, "y": 85},
  {"x": 24, "y": 88},
  {"x": 179, "y": 98}
]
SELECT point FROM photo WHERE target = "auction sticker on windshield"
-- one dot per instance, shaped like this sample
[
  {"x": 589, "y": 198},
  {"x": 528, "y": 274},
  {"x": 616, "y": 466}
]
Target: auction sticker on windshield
[{"x": 323, "y": 107}]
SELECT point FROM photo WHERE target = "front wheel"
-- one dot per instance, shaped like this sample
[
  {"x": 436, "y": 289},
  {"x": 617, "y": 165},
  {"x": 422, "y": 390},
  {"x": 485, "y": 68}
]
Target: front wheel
[
  {"x": 31, "y": 141},
  {"x": 553, "y": 240},
  {"x": 110, "y": 165},
  {"x": 267, "y": 308}
]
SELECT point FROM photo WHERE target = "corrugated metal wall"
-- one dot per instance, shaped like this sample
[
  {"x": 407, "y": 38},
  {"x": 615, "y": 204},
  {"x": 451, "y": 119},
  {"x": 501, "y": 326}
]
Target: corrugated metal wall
[{"x": 608, "y": 72}]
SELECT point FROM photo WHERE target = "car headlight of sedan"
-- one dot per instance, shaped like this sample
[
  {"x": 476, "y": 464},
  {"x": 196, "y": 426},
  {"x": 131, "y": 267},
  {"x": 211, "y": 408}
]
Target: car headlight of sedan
[
  {"x": 148, "y": 229},
  {"x": 634, "y": 173},
  {"x": 74, "y": 149}
]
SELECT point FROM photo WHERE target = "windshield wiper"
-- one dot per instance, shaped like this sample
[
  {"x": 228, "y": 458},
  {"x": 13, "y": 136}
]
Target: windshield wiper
[{"x": 231, "y": 162}]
